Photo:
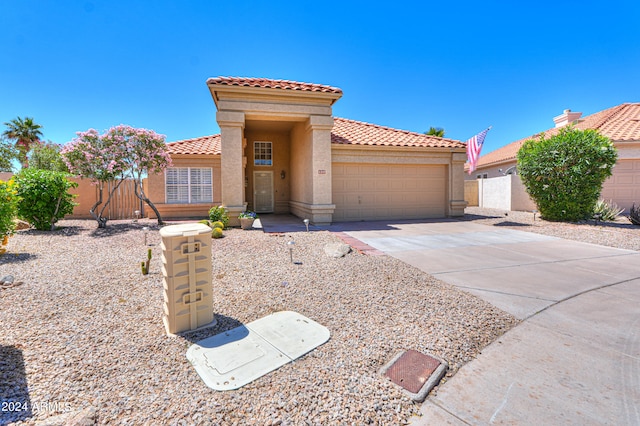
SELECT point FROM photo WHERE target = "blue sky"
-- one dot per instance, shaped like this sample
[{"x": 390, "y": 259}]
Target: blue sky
[{"x": 463, "y": 66}]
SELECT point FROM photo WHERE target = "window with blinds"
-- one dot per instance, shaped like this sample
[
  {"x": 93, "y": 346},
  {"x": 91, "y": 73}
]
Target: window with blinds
[{"x": 188, "y": 185}]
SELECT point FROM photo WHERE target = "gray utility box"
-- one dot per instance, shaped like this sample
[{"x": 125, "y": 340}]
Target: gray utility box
[{"x": 186, "y": 270}]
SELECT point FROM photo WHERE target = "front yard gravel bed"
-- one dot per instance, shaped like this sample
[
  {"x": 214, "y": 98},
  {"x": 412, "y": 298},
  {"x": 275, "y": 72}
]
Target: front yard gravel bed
[{"x": 85, "y": 329}]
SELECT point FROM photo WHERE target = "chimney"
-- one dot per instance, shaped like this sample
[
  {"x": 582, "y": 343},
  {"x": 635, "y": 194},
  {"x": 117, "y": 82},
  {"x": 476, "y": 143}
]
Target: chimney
[{"x": 567, "y": 117}]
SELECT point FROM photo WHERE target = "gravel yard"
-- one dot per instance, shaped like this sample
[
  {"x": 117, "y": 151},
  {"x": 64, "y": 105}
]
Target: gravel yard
[{"x": 85, "y": 330}]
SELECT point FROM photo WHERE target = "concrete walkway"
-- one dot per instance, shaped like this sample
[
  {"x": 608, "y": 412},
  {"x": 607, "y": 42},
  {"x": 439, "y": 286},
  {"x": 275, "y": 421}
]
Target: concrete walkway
[{"x": 575, "y": 358}]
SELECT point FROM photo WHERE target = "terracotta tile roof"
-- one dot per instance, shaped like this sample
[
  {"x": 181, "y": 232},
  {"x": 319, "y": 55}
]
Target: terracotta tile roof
[
  {"x": 345, "y": 132},
  {"x": 619, "y": 123},
  {"x": 203, "y": 145},
  {"x": 272, "y": 84},
  {"x": 351, "y": 132}
]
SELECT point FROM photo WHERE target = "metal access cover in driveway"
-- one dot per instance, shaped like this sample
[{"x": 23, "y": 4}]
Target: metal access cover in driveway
[{"x": 236, "y": 357}]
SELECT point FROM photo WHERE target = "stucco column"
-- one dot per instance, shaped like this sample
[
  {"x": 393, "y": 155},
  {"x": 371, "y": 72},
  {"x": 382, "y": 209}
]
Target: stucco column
[
  {"x": 456, "y": 188},
  {"x": 232, "y": 163},
  {"x": 322, "y": 206}
]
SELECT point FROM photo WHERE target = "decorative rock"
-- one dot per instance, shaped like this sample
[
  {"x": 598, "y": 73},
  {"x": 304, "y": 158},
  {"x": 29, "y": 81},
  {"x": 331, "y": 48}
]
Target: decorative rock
[
  {"x": 337, "y": 249},
  {"x": 136, "y": 375},
  {"x": 86, "y": 417}
]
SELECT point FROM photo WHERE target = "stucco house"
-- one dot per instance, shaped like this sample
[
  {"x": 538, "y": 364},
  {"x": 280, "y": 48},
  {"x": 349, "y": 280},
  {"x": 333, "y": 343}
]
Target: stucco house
[
  {"x": 620, "y": 123},
  {"x": 280, "y": 150}
]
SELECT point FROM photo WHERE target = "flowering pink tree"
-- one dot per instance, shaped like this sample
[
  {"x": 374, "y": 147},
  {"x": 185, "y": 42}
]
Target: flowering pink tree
[
  {"x": 144, "y": 152},
  {"x": 121, "y": 153}
]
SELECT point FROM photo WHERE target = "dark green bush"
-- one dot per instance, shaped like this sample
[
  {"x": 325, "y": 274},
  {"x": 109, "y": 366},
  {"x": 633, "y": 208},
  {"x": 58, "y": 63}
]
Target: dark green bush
[
  {"x": 43, "y": 197},
  {"x": 564, "y": 173}
]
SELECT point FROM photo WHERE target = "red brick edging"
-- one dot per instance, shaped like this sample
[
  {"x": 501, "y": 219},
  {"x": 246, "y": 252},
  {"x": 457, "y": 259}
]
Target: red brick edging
[{"x": 358, "y": 245}]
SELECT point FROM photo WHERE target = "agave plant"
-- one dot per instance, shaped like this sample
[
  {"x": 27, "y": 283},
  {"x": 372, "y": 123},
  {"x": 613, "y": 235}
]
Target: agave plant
[{"x": 606, "y": 210}]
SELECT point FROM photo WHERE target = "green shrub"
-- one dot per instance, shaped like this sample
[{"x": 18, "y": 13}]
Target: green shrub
[
  {"x": 204, "y": 222},
  {"x": 43, "y": 197},
  {"x": 564, "y": 173},
  {"x": 8, "y": 208},
  {"x": 607, "y": 211},
  {"x": 217, "y": 224},
  {"x": 46, "y": 156},
  {"x": 216, "y": 233},
  {"x": 219, "y": 214}
]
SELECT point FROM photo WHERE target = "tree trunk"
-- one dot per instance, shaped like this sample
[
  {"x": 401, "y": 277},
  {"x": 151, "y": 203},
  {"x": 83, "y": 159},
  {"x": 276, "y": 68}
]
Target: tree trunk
[
  {"x": 144, "y": 198},
  {"x": 102, "y": 223}
]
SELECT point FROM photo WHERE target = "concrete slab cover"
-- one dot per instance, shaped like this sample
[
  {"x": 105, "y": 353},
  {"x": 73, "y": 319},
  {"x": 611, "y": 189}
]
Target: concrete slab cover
[{"x": 234, "y": 358}]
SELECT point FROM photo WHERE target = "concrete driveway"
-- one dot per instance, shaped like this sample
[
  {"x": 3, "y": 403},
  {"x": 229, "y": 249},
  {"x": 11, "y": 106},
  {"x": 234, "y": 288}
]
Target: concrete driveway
[{"x": 575, "y": 359}]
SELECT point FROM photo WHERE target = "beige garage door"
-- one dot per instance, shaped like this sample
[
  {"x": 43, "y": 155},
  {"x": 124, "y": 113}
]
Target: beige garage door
[
  {"x": 623, "y": 186},
  {"x": 378, "y": 191}
]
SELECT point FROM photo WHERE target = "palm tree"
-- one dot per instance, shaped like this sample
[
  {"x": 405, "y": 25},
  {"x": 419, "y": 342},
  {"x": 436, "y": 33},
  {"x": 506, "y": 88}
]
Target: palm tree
[
  {"x": 435, "y": 131},
  {"x": 25, "y": 133}
]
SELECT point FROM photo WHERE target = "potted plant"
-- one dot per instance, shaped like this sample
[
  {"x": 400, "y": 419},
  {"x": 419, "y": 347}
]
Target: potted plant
[{"x": 247, "y": 218}]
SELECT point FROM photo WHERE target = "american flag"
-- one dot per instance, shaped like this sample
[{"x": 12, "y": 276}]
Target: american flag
[{"x": 474, "y": 146}]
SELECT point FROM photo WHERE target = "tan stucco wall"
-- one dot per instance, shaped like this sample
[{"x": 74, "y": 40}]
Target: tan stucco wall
[
  {"x": 520, "y": 199},
  {"x": 86, "y": 196},
  {"x": 156, "y": 188},
  {"x": 504, "y": 193},
  {"x": 301, "y": 154},
  {"x": 281, "y": 146}
]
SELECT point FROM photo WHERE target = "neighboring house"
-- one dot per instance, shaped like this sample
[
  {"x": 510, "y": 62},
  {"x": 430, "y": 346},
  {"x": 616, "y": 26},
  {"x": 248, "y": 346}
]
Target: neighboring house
[
  {"x": 621, "y": 124},
  {"x": 280, "y": 150}
]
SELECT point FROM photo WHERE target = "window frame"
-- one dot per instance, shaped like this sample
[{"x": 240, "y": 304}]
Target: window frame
[
  {"x": 189, "y": 186},
  {"x": 263, "y": 149}
]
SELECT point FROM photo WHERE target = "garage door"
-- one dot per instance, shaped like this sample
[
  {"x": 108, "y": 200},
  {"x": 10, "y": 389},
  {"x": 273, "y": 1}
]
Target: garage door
[
  {"x": 378, "y": 191},
  {"x": 623, "y": 186}
]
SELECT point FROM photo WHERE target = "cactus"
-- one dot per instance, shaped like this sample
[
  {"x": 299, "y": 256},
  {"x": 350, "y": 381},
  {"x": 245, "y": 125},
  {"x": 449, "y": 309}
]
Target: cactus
[
  {"x": 205, "y": 222},
  {"x": 144, "y": 265},
  {"x": 216, "y": 233},
  {"x": 217, "y": 224}
]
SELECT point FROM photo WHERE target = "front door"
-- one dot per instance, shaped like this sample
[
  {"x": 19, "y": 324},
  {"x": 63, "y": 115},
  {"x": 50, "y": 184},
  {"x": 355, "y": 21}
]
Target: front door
[{"x": 263, "y": 191}]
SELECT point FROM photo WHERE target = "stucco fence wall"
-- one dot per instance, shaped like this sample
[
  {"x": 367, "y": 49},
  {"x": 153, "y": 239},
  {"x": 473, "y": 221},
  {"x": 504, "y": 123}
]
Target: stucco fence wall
[{"x": 503, "y": 193}]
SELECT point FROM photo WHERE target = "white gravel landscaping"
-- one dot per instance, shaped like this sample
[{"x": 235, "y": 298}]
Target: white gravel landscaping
[{"x": 84, "y": 330}]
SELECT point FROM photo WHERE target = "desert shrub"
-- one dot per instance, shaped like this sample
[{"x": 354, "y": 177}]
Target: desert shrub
[
  {"x": 8, "y": 208},
  {"x": 204, "y": 222},
  {"x": 634, "y": 214},
  {"x": 564, "y": 173},
  {"x": 216, "y": 233},
  {"x": 44, "y": 197},
  {"x": 217, "y": 224},
  {"x": 219, "y": 214},
  {"x": 607, "y": 210}
]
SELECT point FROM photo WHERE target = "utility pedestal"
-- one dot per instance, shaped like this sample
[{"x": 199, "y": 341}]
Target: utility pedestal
[{"x": 187, "y": 279}]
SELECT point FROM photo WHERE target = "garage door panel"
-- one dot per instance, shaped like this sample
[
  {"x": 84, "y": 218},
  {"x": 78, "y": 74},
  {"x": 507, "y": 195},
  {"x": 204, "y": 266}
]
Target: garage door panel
[
  {"x": 369, "y": 192},
  {"x": 623, "y": 186}
]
